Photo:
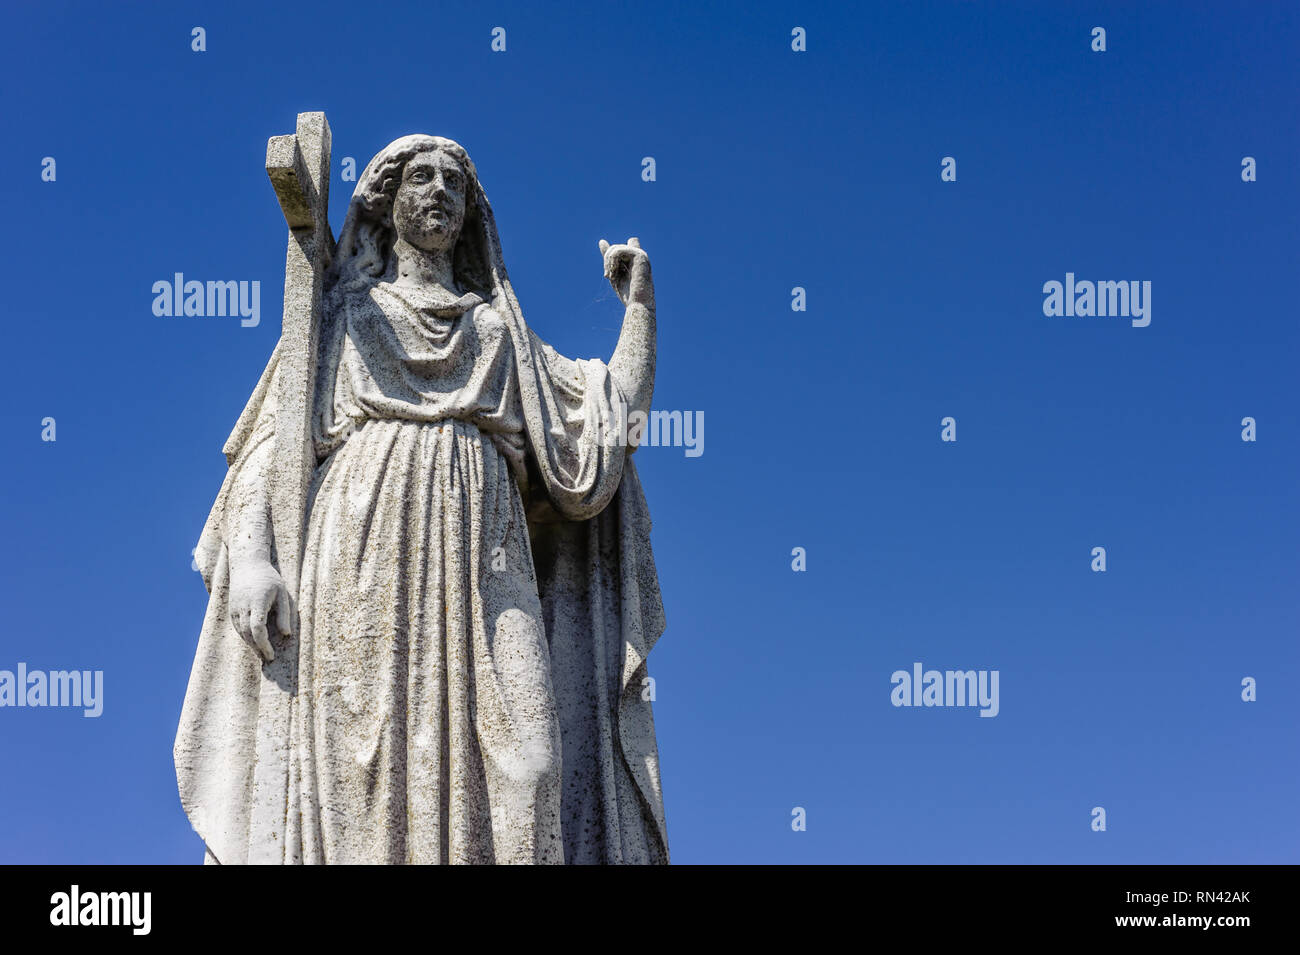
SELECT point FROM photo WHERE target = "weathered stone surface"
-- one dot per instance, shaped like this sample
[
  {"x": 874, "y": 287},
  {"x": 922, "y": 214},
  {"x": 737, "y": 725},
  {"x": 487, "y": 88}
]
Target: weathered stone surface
[{"x": 432, "y": 588}]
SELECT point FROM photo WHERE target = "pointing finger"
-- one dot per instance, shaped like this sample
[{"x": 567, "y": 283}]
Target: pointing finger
[
  {"x": 634, "y": 242},
  {"x": 604, "y": 246}
]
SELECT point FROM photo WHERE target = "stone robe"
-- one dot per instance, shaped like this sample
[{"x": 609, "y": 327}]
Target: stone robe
[{"x": 477, "y": 600}]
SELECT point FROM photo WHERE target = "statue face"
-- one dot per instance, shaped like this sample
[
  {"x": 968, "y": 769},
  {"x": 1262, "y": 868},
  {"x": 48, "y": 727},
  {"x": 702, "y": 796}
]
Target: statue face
[{"x": 429, "y": 208}]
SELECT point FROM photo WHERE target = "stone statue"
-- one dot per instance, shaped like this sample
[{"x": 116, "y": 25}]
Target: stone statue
[{"x": 432, "y": 588}]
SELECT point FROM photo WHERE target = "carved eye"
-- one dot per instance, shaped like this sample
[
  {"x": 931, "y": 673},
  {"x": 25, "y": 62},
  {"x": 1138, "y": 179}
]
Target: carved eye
[{"x": 419, "y": 176}]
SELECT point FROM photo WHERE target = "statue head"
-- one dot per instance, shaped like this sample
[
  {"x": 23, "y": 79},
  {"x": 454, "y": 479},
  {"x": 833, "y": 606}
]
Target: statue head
[
  {"x": 429, "y": 206},
  {"x": 422, "y": 190}
]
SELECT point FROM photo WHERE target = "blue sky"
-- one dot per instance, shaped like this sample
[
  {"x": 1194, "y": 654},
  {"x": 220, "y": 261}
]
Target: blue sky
[{"x": 775, "y": 169}]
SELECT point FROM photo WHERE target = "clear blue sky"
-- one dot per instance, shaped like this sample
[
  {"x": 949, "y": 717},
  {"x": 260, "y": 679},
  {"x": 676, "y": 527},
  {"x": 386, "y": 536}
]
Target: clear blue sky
[{"x": 775, "y": 169}]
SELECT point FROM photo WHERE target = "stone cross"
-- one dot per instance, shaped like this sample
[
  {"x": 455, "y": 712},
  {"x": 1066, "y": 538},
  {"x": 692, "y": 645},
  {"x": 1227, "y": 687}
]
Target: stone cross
[{"x": 299, "y": 168}]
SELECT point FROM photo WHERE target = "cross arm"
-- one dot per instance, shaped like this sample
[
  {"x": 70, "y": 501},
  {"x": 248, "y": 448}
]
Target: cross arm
[{"x": 293, "y": 186}]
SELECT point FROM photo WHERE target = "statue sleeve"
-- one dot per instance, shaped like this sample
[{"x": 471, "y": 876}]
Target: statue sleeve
[
  {"x": 574, "y": 416},
  {"x": 247, "y": 452},
  {"x": 216, "y": 739},
  {"x": 601, "y": 603},
  {"x": 603, "y": 614}
]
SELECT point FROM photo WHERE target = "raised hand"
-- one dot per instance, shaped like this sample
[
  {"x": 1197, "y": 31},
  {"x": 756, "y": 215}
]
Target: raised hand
[{"x": 628, "y": 269}]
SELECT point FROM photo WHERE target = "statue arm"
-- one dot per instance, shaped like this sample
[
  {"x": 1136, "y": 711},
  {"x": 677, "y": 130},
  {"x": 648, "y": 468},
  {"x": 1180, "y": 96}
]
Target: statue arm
[
  {"x": 256, "y": 588},
  {"x": 248, "y": 533},
  {"x": 633, "y": 363}
]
